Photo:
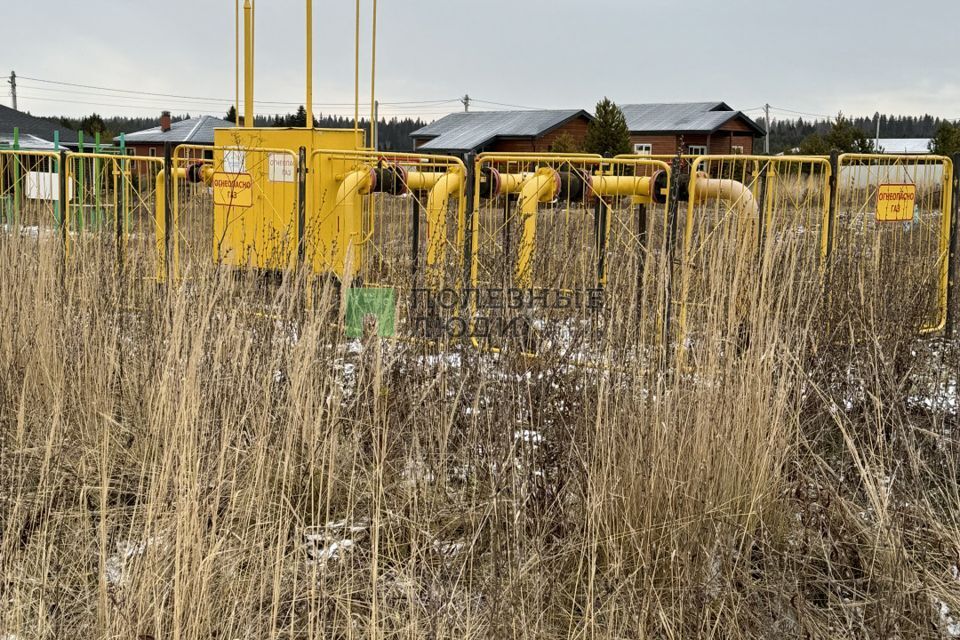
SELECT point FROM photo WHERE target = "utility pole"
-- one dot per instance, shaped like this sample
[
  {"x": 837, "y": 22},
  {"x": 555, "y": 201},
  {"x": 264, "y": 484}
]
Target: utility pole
[
  {"x": 766, "y": 138},
  {"x": 466, "y": 103},
  {"x": 876, "y": 146},
  {"x": 13, "y": 88}
]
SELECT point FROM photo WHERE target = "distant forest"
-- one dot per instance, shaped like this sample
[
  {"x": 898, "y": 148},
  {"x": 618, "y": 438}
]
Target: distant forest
[
  {"x": 788, "y": 134},
  {"x": 395, "y": 133}
]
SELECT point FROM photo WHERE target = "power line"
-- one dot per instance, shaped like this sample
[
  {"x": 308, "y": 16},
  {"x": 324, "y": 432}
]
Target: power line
[
  {"x": 133, "y": 92},
  {"x": 801, "y": 113},
  {"x": 501, "y": 104}
]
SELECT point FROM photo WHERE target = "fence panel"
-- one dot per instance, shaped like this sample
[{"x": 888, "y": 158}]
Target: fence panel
[
  {"x": 572, "y": 242},
  {"x": 30, "y": 191},
  {"x": 754, "y": 242},
  {"x": 891, "y": 239}
]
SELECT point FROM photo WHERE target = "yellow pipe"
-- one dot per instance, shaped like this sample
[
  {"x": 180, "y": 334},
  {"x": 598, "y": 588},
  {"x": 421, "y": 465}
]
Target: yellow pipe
[
  {"x": 423, "y": 180},
  {"x": 236, "y": 61},
  {"x": 446, "y": 186},
  {"x": 356, "y": 71},
  {"x": 373, "y": 80},
  {"x": 734, "y": 194},
  {"x": 542, "y": 186},
  {"x": 513, "y": 182},
  {"x": 349, "y": 246},
  {"x": 604, "y": 185},
  {"x": 248, "y": 64},
  {"x": 309, "y": 105}
]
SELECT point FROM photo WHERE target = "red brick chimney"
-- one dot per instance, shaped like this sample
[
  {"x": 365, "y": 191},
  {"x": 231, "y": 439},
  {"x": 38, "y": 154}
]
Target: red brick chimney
[{"x": 165, "y": 121}]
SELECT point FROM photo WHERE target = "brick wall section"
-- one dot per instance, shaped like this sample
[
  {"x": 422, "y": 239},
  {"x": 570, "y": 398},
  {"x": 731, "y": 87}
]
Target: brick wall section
[
  {"x": 735, "y": 132},
  {"x": 144, "y": 149},
  {"x": 576, "y": 129},
  {"x": 717, "y": 143}
]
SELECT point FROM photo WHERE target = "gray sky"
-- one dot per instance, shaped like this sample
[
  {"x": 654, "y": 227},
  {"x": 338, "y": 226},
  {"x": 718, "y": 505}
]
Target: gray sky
[{"x": 816, "y": 56}]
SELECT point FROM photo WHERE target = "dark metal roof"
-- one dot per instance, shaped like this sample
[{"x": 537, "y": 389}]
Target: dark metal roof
[
  {"x": 33, "y": 126},
  {"x": 682, "y": 117},
  {"x": 462, "y": 132},
  {"x": 193, "y": 131}
]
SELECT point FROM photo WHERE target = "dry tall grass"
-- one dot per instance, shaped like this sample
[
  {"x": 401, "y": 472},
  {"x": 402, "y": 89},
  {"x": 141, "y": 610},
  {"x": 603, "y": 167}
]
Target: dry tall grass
[{"x": 209, "y": 461}]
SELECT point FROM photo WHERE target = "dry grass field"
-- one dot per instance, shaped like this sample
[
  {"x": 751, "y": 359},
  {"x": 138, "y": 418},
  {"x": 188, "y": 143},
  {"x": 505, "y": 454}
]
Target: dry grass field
[{"x": 213, "y": 460}]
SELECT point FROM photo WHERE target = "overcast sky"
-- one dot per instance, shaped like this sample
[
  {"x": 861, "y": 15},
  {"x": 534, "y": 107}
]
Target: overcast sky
[{"x": 815, "y": 56}]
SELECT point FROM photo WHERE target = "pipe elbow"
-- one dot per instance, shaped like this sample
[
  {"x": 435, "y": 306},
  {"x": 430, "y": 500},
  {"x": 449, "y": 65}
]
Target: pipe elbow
[
  {"x": 542, "y": 187},
  {"x": 360, "y": 182},
  {"x": 734, "y": 194}
]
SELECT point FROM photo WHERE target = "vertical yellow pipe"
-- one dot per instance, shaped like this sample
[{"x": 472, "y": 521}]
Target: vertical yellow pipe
[
  {"x": 310, "y": 64},
  {"x": 248, "y": 64},
  {"x": 236, "y": 61},
  {"x": 356, "y": 72},
  {"x": 541, "y": 187},
  {"x": 373, "y": 81}
]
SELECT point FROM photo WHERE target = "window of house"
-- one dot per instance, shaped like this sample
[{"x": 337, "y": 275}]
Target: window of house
[
  {"x": 643, "y": 149},
  {"x": 153, "y": 152},
  {"x": 697, "y": 150},
  {"x": 737, "y": 150}
]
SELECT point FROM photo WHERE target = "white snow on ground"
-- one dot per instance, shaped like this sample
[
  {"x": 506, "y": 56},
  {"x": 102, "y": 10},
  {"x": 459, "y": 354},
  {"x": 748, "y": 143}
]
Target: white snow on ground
[
  {"x": 449, "y": 548},
  {"x": 947, "y": 620},
  {"x": 115, "y": 567},
  {"x": 526, "y": 435},
  {"x": 32, "y": 232},
  {"x": 332, "y": 541},
  {"x": 943, "y": 398}
]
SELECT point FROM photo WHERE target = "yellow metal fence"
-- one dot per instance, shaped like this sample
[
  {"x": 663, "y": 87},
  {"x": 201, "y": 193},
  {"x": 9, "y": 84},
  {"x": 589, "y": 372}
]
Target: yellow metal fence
[{"x": 747, "y": 230}]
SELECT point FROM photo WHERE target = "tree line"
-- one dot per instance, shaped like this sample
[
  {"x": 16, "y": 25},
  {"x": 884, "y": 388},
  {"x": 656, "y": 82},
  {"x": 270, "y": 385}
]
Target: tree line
[{"x": 851, "y": 133}]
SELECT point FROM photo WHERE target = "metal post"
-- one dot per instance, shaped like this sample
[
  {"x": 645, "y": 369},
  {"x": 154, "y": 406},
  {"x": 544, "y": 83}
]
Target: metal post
[
  {"x": 119, "y": 215},
  {"x": 168, "y": 188},
  {"x": 97, "y": 178},
  {"x": 673, "y": 201},
  {"x": 309, "y": 23},
  {"x": 123, "y": 181},
  {"x": 16, "y": 174},
  {"x": 469, "y": 219},
  {"x": 248, "y": 113},
  {"x": 600, "y": 233},
  {"x": 642, "y": 236},
  {"x": 952, "y": 266},
  {"x": 834, "y": 200},
  {"x": 62, "y": 177},
  {"x": 415, "y": 222},
  {"x": 81, "y": 184},
  {"x": 301, "y": 206},
  {"x": 375, "y": 125},
  {"x": 58, "y": 205},
  {"x": 761, "y": 208},
  {"x": 373, "y": 79}
]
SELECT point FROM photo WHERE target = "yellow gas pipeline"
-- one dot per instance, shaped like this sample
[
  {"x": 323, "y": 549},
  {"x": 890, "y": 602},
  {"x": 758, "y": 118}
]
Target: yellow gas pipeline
[
  {"x": 442, "y": 186},
  {"x": 540, "y": 187},
  {"x": 736, "y": 195},
  {"x": 349, "y": 248}
]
